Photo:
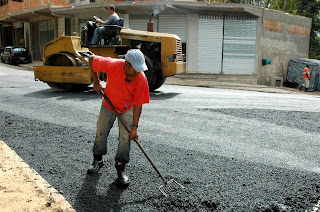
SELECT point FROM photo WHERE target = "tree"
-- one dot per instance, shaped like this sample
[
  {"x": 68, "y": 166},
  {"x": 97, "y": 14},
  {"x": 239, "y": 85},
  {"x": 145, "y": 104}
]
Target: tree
[
  {"x": 310, "y": 8},
  {"x": 283, "y": 5}
]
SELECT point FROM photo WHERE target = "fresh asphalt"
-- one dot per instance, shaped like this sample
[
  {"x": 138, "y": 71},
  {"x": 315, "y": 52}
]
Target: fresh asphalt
[{"x": 232, "y": 150}]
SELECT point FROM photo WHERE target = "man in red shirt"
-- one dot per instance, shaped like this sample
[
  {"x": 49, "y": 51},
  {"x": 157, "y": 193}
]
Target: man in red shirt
[{"x": 127, "y": 88}]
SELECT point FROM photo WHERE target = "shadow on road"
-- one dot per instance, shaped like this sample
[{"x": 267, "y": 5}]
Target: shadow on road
[
  {"x": 86, "y": 95},
  {"x": 88, "y": 199},
  {"x": 159, "y": 95}
]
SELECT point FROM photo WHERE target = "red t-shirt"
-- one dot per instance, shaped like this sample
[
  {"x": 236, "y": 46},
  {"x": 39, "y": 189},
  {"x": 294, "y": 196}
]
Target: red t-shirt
[
  {"x": 121, "y": 93},
  {"x": 305, "y": 71}
]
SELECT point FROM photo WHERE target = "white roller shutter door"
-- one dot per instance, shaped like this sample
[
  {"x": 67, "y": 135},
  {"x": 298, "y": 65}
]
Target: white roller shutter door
[
  {"x": 139, "y": 22},
  {"x": 239, "y": 45},
  {"x": 210, "y": 38},
  {"x": 174, "y": 24}
]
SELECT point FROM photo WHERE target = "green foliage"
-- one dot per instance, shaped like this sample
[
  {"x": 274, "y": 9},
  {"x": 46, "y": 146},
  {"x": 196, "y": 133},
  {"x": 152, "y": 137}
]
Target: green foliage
[
  {"x": 310, "y": 8},
  {"x": 283, "y": 5}
]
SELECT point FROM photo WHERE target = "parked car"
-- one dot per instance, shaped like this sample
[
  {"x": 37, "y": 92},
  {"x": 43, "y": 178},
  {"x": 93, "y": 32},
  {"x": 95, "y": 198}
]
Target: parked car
[{"x": 15, "y": 55}]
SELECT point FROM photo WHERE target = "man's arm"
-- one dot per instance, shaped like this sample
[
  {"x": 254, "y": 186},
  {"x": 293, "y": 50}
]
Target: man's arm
[
  {"x": 96, "y": 82},
  {"x": 136, "y": 116},
  {"x": 112, "y": 18}
]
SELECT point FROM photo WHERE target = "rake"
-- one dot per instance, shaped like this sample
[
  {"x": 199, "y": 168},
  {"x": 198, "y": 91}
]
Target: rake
[{"x": 169, "y": 186}]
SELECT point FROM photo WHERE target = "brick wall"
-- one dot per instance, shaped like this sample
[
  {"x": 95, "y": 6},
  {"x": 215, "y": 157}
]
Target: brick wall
[
  {"x": 15, "y": 6},
  {"x": 60, "y": 2},
  {"x": 34, "y": 3},
  {"x": 4, "y": 10},
  {"x": 37, "y": 3},
  {"x": 25, "y": 4},
  {"x": 11, "y": 7}
]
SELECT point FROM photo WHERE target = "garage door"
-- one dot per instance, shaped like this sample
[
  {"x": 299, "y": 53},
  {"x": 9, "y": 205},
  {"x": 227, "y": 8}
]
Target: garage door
[
  {"x": 175, "y": 24},
  {"x": 139, "y": 22},
  {"x": 239, "y": 45},
  {"x": 210, "y": 37}
]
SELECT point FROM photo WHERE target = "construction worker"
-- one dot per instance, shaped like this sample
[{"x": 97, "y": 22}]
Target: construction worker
[
  {"x": 127, "y": 88},
  {"x": 306, "y": 78}
]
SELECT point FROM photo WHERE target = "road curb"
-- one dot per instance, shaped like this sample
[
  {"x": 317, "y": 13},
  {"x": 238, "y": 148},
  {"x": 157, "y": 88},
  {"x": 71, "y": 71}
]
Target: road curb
[{"x": 13, "y": 165}]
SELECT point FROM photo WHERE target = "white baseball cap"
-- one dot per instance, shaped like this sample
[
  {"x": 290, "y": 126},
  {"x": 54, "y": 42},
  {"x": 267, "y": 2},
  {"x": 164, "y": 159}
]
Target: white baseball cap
[{"x": 136, "y": 58}]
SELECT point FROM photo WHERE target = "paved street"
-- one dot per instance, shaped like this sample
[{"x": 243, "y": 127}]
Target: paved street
[{"x": 233, "y": 150}]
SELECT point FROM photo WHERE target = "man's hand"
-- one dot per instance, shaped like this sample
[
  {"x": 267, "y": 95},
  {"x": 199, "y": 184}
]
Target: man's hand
[
  {"x": 97, "y": 87},
  {"x": 99, "y": 21},
  {"x": 96, "y": 82},
  {"x": 134, "y": 133}
]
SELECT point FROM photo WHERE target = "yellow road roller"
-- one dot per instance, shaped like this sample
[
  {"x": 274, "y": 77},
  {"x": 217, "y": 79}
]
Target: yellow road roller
[{"x": 65, "y": 59}]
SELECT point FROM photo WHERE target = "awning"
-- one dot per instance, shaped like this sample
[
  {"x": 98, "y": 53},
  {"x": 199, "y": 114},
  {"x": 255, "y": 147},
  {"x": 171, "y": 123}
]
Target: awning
[
  {"x": 163, "y": 7},
  {"x": 31, "y": 15}
]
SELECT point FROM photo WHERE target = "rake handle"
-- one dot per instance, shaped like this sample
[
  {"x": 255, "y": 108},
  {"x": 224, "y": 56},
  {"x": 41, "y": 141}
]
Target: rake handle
[{"x": 135, "y": 140}]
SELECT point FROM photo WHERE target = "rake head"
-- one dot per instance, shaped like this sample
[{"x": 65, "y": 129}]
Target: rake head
[{"x": 170, "y": 186}]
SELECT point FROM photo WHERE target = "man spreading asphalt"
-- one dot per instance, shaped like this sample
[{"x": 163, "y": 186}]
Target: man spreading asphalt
[{"x": 127, "y": 88}]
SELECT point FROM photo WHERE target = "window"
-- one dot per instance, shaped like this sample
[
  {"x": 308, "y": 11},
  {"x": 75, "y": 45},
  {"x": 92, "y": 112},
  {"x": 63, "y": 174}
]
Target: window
[
  {"x": 7, "y": 50},
  {"x": 3, "y": 2},
  {"x": 67, "y": 28},
  {"x": 16, "y": 50}
]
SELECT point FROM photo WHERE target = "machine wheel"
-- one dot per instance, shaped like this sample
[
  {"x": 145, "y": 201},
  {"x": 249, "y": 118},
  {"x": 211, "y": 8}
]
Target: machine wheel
[
  {"x": 60, "y": 86},
  {"x": 63, "y": 59},
  {"x": 2, "y": 60},
  {"x": 150, "y": 73},
  {"x": 160, "y": 79}
]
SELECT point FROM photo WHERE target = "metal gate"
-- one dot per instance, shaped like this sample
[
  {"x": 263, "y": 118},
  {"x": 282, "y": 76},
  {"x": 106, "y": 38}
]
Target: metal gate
[
  {"x": 239, "y": 45},
  {"x": 210, "y": 38},
  {"x": 175, "y": 24}
]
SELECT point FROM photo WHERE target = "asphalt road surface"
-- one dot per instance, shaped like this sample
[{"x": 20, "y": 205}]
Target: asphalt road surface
[{"x": 232, "y": 150}]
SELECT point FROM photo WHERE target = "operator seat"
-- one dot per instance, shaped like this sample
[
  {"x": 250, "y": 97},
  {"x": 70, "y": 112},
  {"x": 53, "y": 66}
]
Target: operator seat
[{"x": 111, "y": 35}]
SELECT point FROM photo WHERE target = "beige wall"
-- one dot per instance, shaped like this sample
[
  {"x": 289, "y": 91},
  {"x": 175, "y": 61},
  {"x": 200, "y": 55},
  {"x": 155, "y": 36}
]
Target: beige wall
[{"x": 282, "y": 37}]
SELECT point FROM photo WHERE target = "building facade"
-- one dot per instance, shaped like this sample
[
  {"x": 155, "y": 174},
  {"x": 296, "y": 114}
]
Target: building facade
[
  {"x": 29, "y": 23},
  {"x": 218, "y": 38}
]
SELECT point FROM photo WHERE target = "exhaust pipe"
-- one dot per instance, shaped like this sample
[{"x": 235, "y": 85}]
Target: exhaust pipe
[{"x": 150, "y": 23}]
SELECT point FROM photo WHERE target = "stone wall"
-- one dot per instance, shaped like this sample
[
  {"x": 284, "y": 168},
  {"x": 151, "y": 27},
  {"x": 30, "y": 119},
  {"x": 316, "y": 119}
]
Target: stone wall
[{"x": 281, "y": 36}]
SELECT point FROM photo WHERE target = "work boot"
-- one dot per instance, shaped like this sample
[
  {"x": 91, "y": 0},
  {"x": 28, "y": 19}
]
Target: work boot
[
  {"x": 306, "y": 89},
  {"x": 123, "y": 179},
  {"x": 96, "y": 164}
]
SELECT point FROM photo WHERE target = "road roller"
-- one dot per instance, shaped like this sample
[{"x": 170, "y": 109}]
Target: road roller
[{"x": 66, "y": 58}]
